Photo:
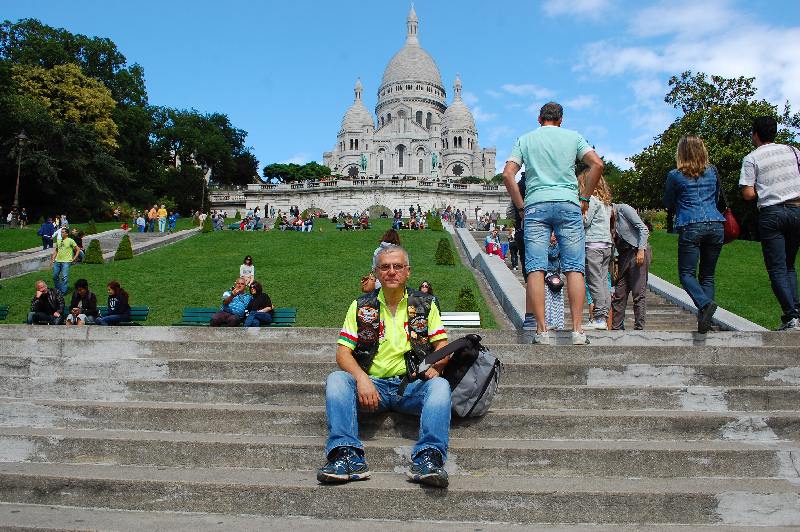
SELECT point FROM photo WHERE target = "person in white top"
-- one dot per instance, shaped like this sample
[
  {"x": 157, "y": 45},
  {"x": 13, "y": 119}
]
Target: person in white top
[
  {"x": 247, "y": 271},
  {"x": 771, "y": 175}
]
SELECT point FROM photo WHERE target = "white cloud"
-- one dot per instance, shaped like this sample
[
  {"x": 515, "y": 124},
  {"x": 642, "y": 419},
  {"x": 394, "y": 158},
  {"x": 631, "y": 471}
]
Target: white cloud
[
  {"x": 576, "y": 8},
  {"x": 481, "y": 116},
  {"x": 469, "y": 98},
  {"x": 616, "y": 157},
  {"x": 298, "y": 158},
  {"x": 583, "y": 101},
  {"x": 528, "y": 89},
  {"x": 687, "y": 17},
  {"x": 647, "y": 89},
  {"x": 496, "y": 133},
  {"x": 494, "y": 94}
]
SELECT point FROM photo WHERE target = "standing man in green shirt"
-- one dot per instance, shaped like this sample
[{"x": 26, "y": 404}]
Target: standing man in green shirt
[
  {"x": 65, "y": 253},
  {"x": 552, "y": 205}
]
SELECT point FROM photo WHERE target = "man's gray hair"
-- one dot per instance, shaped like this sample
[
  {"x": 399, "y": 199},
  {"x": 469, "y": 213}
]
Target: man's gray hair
[
  {"x": 390, "y": 249},
  {"x": 551, "y": 112}
]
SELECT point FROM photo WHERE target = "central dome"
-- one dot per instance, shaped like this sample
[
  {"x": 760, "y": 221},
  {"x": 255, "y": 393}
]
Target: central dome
[{"x": 412, "y": 63}]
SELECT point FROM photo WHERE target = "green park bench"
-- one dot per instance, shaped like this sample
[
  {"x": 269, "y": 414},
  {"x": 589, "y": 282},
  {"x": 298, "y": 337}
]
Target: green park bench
[
  {"x": 3, "y": 312},
  {"x": 201, "y": 316},
  {"x": 138, "y": 314},
  {"x": 461, "y": 319}
]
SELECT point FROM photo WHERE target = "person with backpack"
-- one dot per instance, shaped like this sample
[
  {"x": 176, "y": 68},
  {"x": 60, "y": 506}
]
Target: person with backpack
[{"x": 381, "y": 336}]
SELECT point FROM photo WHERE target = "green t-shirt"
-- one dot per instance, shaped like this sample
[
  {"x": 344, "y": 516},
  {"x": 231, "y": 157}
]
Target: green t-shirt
[
  {"x": 549, "y": 154},
  {"x": 65, "y": 250}
]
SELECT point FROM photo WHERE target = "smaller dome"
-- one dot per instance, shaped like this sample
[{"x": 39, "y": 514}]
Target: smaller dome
[
  {"x": 358, "y": 116},
  {"x": 457, "y": 115}
]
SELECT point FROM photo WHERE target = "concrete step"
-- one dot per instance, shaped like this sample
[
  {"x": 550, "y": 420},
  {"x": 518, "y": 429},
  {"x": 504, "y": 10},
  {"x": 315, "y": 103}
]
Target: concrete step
[
  {"x": 558, "y": 424},
  {"x": 737, "y": 502},
  {"x": 586, "y": 373},
  {"x": 466, "y": 456},
  {"x": 689, "y": 398}
]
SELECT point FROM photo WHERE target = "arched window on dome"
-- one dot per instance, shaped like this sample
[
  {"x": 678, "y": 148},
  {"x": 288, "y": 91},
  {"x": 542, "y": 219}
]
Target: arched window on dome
[
  {"x": 428, "y": 120},
  {"x": 380, "y": 165},
  {"x": 455, "y": 142},
  {"x": 420, "y": 166},
  {"x": 382, "y": 122},
  {"x": 356, "y": 143},
  {"x": 400, "y": 155},
  {"x": 351, "y": 144},
  {"x": 460, "y": 143},
  {"x": 401, "y": 114},
  {"x": 419, "y": 117}
]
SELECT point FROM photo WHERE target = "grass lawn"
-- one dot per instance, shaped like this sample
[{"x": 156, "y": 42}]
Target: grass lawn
[
  {"x": 742, "y": 283},
  {"x": 19, "y": 239},
  {"x": 316, "y": 272}
]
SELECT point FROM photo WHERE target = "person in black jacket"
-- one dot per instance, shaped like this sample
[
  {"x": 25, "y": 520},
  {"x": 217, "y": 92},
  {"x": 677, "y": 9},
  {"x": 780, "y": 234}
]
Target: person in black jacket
[
  {"x": 118, "y": 308},
  {"x": 83, "y": 307},
  {"x": 259, "y": 310},
  {"x": 47, "y": 306}
]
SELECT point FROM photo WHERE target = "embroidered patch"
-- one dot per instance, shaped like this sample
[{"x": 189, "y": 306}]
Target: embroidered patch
[
  {"x": 367, "y": 334},
  {"x": 418, "y": 325},
  {"x": 412, "y": 311},
  {"x": 368, "y": 314}
]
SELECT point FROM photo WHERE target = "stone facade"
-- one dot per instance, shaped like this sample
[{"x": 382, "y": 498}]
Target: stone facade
[{"x": 414, "y": 132}]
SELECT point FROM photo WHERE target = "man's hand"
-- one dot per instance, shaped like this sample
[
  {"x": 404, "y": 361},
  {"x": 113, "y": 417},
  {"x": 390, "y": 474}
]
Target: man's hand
[
  {"x": 57, "y": 314},
  {"x": 640, "y": 257},
  {"x": 367, "y": 394},
  {"x": 38, "y": 294}
]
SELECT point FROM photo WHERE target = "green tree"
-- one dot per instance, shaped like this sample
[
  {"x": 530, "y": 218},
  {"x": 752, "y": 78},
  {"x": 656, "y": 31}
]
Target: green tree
[
  {"x": 125, "y": 249},
  {"x": 720, "y": 111},
  {"x": 466, "y": 301},
  {"x": 444, "y": 253},
  {"x": 94, "y": 253},
  {"x": 291, "y": 172}
]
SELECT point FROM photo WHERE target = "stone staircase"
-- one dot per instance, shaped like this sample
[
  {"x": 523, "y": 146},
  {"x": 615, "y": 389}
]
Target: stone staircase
[
  {"x": 662, "y": 315},
  {"x": 181, "y": 428}
]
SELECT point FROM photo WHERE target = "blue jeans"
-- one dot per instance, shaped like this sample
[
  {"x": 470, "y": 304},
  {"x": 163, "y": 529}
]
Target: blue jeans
[
  {"x": 151, "y": 226},
  {"x": 257, "y": 319},
  {"x": 563, "y": 218},
  {"x": 162, "y": 224},
  {"x": 779, "y": 226},
  {"x": 701, "y": 242},
  {"x": 113, "y": 319},
  {"x": 61, "y": 275},
  {"x": 429, "y": 399}
]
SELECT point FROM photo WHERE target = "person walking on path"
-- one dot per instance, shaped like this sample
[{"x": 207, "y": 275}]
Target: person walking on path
[
  {"x": 162, "y": 219},
  {"x": 630, "y": 238},
  {"x": 64, "y": 255},
  {"x": 692, "y": 191},
  {"x": 46, "y": 231},
  {"x": 597, "y": 222},
  {"x": 771, "y": 174},
  {"x": 552, "y": 204},
  {"x": 152, "y": 215}
]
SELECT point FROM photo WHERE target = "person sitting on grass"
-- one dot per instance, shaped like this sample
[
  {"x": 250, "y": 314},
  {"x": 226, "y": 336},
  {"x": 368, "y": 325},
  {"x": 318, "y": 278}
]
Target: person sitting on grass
[
  {"x": 378, "y": 331},
  {"x": 234, "y": 305},
  {"x": 119, "y": 311},
  {"x": 47, "y": 306},
  {"x": 83, "y": 307},
  {"x": 247, "y": 271},
  {"x": 259, "y": 310}
]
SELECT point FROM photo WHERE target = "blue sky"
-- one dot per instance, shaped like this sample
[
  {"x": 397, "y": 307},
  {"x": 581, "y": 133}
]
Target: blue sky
[{"x": 284, "y": 71}]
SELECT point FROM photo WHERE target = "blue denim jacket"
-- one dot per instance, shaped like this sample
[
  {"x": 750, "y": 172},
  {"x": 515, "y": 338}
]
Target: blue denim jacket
[{"x": 694, "y": 200}]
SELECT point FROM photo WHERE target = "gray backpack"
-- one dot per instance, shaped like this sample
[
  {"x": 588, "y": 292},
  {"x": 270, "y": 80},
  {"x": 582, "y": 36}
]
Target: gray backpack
[{"x": 473, "y": 374}]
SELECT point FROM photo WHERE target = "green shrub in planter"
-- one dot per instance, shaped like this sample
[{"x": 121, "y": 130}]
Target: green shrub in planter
[
  {"x": 238, "y": 215},
  {"x": 466, "y": 301},
  {"x": 91, "y": 228},
  {"x": 207, "y": 227},
  {"x": 125, "y": 249},
  {"x": 444, "y": 253},
  {"x": 94, "y": 253}
]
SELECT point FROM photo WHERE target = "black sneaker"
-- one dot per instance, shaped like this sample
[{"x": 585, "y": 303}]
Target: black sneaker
[
  {"x": 344, "y": 464},
  {"x": 428, "y": 468},
  {"x": 704, "y": 317},
  {"x": 790, "y": 325}
]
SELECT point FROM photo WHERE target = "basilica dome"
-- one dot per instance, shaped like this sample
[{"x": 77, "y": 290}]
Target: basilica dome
[
  {"x": 358, "y": 116},
  {"x": 412, "y": 63},
  {"x": 457, "y": 115}
]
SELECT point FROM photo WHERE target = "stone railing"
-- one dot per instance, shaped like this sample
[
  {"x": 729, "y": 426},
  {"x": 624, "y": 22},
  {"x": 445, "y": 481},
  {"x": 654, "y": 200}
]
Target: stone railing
[
  {"x": 370, "y": 183},
  {"x": 225, "y": 196}
]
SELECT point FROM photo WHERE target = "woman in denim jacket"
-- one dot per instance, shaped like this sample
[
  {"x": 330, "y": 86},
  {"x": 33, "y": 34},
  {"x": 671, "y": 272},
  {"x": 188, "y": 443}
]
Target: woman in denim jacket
[{"x": 692, "y": 189}]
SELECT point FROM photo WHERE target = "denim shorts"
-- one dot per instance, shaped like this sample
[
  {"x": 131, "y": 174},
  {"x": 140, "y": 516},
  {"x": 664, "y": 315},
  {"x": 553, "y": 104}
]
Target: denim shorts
[{"x": 564, "y": 218}]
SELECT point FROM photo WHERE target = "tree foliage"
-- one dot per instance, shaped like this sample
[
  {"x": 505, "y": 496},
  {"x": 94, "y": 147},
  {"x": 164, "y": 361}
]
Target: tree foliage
[
  {"x": 94, "y": 253},
  {"x": 720, "y": 111},
  {"x": 125, "y": 249},
  {"x": 466, "y": 301},
  {"x": 291, "y": 172},
  {"x": 444, "y": 253}
]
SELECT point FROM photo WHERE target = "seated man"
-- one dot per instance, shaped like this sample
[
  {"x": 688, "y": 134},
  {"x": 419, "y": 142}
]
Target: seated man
[
  {"x": 47, "y": 306},
  {"x": 234, "y": 303},
  {"x": 380, "y": 330},
  {"x": 83, "y": 307}
]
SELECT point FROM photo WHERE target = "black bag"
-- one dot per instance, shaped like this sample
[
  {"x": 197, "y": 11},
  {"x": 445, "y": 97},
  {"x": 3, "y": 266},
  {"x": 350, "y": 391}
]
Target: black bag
[
  {"x": 554, "y": 282},
  {"x": 473, "y": 374}
]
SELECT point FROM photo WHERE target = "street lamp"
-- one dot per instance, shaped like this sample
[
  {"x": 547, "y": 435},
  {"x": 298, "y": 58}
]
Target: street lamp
[{"x": 21, "y": 139}]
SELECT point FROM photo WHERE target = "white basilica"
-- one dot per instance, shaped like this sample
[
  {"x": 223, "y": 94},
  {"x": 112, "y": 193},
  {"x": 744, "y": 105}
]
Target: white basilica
[{"x": 416, "y": 133}]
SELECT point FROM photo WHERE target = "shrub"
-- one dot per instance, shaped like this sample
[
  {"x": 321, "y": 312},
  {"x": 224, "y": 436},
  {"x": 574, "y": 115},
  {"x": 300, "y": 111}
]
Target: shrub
[
  {"x": 124, "y": 250},
  {"x": 466, "y": 301},
  {"x": 94, "y": 253},
  {"x": 444, "y": 253},
  {"x": 207, "y": 227},
  {"x": 277, "y": 224},
  {"x": 91, "y": 228},
  {"x": 656, "y": 218},
  {"x": 196, "y": 218},
  {"x": 237, "y": 216},
  {"x": 434, "y": 223}
]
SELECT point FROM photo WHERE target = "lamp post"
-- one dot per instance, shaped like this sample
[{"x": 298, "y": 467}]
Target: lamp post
[{"x": 21, "y": 139}]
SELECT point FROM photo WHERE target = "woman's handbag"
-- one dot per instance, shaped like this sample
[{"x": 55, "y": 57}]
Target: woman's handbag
[{"x": 730, "y": 225}]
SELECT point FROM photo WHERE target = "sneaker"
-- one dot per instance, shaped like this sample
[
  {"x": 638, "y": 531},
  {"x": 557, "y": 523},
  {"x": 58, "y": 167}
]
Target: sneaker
[
  {"x": 542, "y": 338},
  {"x": 579, "y": 338},
  {"x": 428, "y": 468},
  {"x": 790, "y": 325},
  {"x": 597, "y": 325},
  {"x": 529, "y": 324},
  {"x": 344, "y": 464},
  {"x": 704, "y": 317}
]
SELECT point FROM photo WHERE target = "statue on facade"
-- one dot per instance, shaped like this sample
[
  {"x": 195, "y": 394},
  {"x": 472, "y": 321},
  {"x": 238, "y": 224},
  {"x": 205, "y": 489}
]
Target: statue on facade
[
  {"x": 434, "y": 160},
  {"x": 363, "y": 163}
]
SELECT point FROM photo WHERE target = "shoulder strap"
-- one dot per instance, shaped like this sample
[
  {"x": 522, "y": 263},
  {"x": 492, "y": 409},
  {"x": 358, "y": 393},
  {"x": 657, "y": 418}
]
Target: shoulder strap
[
  {"x": 449, "y": 349},
  {"x": 721, "y": 188},
  {"x": 794, "y": 150}
]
